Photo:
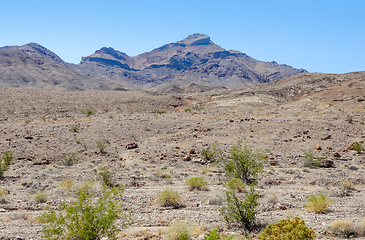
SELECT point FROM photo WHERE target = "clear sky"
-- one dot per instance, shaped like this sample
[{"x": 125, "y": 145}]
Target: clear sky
[{"x": 319, "y": 36}]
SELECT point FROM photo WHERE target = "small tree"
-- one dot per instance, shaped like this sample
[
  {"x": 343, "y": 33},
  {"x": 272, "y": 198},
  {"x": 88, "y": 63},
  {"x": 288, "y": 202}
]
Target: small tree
[
  {"x": 241, "y": 212},
  {"x": 244, "y": 164},
  {"x": 86, "y": 218},
  {"x": 5, "y": 162}
]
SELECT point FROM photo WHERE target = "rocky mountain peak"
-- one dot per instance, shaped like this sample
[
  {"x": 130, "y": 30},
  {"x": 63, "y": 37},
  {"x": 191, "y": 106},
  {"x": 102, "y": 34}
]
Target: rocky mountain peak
[
  {"x": 197, "y": 39},
  {"x": 39, "y": 49}
]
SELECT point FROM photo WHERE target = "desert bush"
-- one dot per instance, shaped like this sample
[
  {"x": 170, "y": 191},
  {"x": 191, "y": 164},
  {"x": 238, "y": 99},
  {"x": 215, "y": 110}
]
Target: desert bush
[
  {"x": 287, "y": 229},
  {"x": 244, "y": 164},
  {"x": 5, "y": 162},
  {"x": 104, "y": 175},
  {"x": 74, "y": 128},
  {"x": 69, "y": 159},
  {"x": 179, "y": 230},
  {"x": 101, "y": 146},
  {"x": 161, "y": 111},
  {"x": 348, "y": 185},
  {"x": 86, "y": 218},
  {"x": 342, "y": 228},
  {"x": 349, "y": 119},
  {"x": 311, "y": 161},
  {"x": 196, "y": 183},
  {"x": 169, "y": 198},
  {"x": 187, "y": 110},
  {"x": 40, "y": 197},
  {"x": 360, "y": 228},
  {"x": 241, "y": 212},
  {"x": 211, "y": 151},
  {"x": 44, "y": 118},
  {"x": 66, "y": 184},
  {"x": 88, "y": 113},
  {"x": 3, "y": 195},
  {"x": 236, "y": 184},
  {"x": 318, "y": 203},
  {"x": 216, "y": 198},
  {"x": 358, "y": 146},
  {"x": 212, "y": 235}
]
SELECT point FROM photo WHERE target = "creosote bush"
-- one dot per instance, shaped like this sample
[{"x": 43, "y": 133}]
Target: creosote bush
[
  {"x": 86, "y": 218},
  {"x": 241, "y": 212},
  {"x": 211, "y": 151},
  {"x": 101, "y": 146},
  {"x": 318, "y": 203},
  {"x": 287, "y": 229},
  {"x": 342, "y": 228},
  {"x": 244, "y": 164},
  {"x": 104, "y": 175},
  {"x": 5, "y": 162},
  {"x": 236, "y": 184},
  {"x": 179, "y": 230},
  {"x": 197, "y": 183},
  {"x": 169, "y": 198}
]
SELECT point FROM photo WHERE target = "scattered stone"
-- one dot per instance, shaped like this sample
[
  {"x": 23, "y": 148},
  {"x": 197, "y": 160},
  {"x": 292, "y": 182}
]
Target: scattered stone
[
  {"x": 192, "y": 151},
  {"x": 187, "y": 158},
  {"x": 337, "y": 155},
  {"x": 353, "y": 168},
  {"x": 327, "y": 163},
  {"x": 177, "y": 147},
  {"x": 231, "y": 120},
  {"x": 317, "y": 147},
  {"x": 131, "y": 145},
  {"x": 329, "y": 148},
  {"x": 273, "y": 162},
  {"x": 325, "y": 138}
]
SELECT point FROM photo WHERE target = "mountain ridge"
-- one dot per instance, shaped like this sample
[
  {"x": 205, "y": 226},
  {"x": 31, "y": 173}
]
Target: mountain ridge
[{"x": 193, "y": 60}]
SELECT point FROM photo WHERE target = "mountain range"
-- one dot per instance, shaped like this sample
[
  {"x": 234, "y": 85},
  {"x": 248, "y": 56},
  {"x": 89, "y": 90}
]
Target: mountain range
[{"x": 192, "y": 64}]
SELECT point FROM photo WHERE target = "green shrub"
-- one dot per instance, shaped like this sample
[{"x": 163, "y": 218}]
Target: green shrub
[
  {"x": 211, "y": 151},
  {"x": 3, "y": 195},
  {"x": 87, "y": 113},
  {"x": 241, "y": 212},
  {"x": 179, "y": 230},
  {"x": 5, "y": 162},
  {"x": 69, "y": 159},
  {"x": 287, "y": 229},
  {"x": 40, "y": 197},
  {"x": 26, "y": 115},
  {"x": 187, "y": 110},
  {"x": 349, "y": 119},
  {"x": 348, "y": 185},
  {"x": 244, "y": 164},
  {"x": 104, "y": 175},
  {"x": 101, "y": 146},
  {"x": 169, "y": 198},
  {"x": 86, "y": 218},
  {"x": 236, "y": 184},
  {"x": 358, "y": 146},
  {"x": 161, "y": 111},
  {"x": 74, "y": 128},
  {"x": 318, "y": 203},
  {"x": 212, "y": 235},
  {"x": 196, "y": 183},
  {"x": 311, "y": 161}
]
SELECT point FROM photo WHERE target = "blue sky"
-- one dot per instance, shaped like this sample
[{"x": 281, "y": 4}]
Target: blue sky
[{"x": 319, "y": 36}]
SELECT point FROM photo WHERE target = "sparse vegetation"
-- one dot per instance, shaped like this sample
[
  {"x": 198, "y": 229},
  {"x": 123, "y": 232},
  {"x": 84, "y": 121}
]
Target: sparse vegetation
[
  {"x": 211, "y": 151},
  {"x": 101, "y": 146},
  {"x": 196, "y": 183},
  {"x": 358, "y": 146},
  {"x": 169, "y": 198},
  {"x": 342, "y": 228},
  {"x": 74, "y": 128},
  {"x": 241, "y": 212},
  {"x": 161, "y": 111},
  {"x": 179, "y": 230},
  {"x": 287, "y": 229},
  {"x": 244, "y": 164},
  {"x": 40, "y": 197},
  {"x": 311, "y": 161},
  {"x": 69, "y": 159},
  {"x": 26, "y": 115},
  {"x": 5, "y": 162},
  {"x": 318, "y": 203},
  {"x": 348, "y": 185},
  {"x": 44, "y": 118},
  {"x": 86, "y": 218},
  {"x": 349, "y": 119},
  {"x": 88, "y": 113},
  {"x": 105, "y": 176},
  {"x": 187, "y": 110},
  {"x": 3, "y": 195},
  {"x": 66, "y": 184},
  {"x": 236, "y": 184}
]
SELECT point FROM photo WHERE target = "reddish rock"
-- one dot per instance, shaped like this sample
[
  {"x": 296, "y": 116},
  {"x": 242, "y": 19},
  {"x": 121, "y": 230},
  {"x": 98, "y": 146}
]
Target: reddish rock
[
  {"x": 317, "y": 147},
  {"x": 131, "y": 145},
  {"x": 192, "y": 151},
  {"x": 337, "y": 155}
]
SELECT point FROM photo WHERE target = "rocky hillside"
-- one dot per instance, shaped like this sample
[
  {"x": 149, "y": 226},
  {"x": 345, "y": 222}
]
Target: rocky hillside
[{"x": 196, "y": 59}]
